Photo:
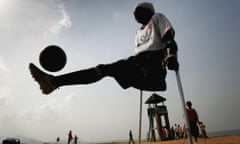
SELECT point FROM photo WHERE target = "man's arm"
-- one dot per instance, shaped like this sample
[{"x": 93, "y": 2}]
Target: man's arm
[
  {"x": 171, "y": 48},
  {"x": 197, "y": 116},
  {"x": 169, "y": 42}
]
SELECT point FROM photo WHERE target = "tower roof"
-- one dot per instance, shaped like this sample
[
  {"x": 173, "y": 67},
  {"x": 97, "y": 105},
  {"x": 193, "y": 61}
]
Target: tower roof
[{"x": 155, "y": 99}]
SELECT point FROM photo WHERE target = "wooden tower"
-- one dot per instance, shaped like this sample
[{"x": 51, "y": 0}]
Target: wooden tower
[{"x": 160, "y": 113}]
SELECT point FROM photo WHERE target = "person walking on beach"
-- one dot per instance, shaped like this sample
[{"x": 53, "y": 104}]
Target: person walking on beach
[
  {"x": 155, "y": 49},
  {"x": 203, "y": 130},
  {"x": 70, "y": 137},
  {"x": 176, "y": 132},
  {"x": 193, "y": 120},
  {"x": 184, "y": 131},
  {"x": 172, "y": 133},
  {"x": 131, "y": 141},
  {"x": 58, "y": 139},
  {"x": 75, "y": 139}
]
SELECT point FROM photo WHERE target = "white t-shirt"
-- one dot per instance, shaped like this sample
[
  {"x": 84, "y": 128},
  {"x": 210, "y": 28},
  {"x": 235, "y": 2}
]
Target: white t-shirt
[{"x": 150, "y": 37}]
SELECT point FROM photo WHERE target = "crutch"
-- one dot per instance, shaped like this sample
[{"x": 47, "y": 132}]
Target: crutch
[{"x": 180, "y": 88}]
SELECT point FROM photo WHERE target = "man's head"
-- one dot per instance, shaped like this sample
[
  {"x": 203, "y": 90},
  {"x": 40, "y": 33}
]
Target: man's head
[
  {"x": 189, "y": 104},
  {"x": 143, "y": 12}
]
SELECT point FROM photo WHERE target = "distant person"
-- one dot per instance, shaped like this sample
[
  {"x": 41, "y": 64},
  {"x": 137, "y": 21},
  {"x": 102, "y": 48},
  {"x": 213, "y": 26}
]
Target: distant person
[
  {"x": 193, "y": 120},
  {"x": 176, "y": 132},
  {"x": 130, "y": 137},
  {"x": 75, "y": 139},
  {"x": 58, "y": 139},
  {"x": 184, "y": 131},
  {"x": 180, "y": 132},
  {"x": 70, "y": 137},
  {"x": 172, "y": 132},
  {"x": 203, "y": 130}
]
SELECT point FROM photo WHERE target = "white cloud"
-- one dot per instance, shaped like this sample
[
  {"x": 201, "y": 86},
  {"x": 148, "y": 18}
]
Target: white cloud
[
  {"x": 36, "y": 19},
  {"x": 41, "y": 111},
  {"x": 8, "y": 125},
  {"x": 5, "y": 79},
  {"x": 3, "y": 66},
  {"x": 63, "y": 22},
  {"x": 48, "y": 110},
  {"x": 5, "y": 93}
]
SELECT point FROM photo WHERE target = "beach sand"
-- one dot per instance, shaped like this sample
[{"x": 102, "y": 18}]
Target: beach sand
[{"x": 233, "y": 139}]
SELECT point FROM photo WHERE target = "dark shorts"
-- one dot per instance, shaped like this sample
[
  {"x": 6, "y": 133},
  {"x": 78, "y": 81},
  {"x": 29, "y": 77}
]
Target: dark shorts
[
  {"x": 143, "y": 71},
  {"x": 194, "y": 129}
]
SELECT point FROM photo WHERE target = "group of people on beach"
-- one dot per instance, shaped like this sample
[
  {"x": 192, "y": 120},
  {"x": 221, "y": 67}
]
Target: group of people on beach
[
  {"x": 71, "y": 139},
  {"x": 196, "y": 127},
  {"x": 179, "y": 132}
]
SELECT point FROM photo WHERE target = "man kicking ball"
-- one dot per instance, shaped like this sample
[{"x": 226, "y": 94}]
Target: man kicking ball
[{"x": 146, "y": 70}]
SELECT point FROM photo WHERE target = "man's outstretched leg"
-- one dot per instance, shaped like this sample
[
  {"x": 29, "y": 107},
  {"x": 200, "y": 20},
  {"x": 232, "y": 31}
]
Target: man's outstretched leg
[
  {"x": 49, "y": 83},
  {"x": 143, "y": 71}
]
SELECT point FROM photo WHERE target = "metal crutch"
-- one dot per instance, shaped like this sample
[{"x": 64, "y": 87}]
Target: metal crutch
[{"x": 180, "y": 88}]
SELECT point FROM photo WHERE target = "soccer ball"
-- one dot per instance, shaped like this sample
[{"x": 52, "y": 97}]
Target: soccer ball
[{"x": 52, "y": 58}]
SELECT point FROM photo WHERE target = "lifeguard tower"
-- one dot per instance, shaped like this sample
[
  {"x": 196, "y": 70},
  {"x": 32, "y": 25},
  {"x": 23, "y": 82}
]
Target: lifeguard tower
[{"x": 160, "y": 113}]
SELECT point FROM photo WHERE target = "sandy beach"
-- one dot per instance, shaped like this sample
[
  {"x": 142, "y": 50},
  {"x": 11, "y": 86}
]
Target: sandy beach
[{"x": 233, "y": 139}]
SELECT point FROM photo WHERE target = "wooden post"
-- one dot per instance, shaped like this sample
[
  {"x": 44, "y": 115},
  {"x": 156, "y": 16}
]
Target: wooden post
[{"x": 140, "y": 118}]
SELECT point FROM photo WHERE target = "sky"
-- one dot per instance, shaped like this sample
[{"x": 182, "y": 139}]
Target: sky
[{"x": 93, "y": 32}]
